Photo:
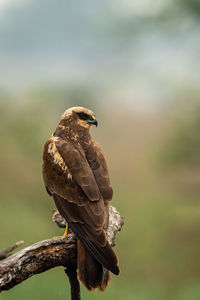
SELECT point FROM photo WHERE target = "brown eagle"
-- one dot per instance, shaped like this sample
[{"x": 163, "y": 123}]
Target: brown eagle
[{"x": 76, "y": 176}]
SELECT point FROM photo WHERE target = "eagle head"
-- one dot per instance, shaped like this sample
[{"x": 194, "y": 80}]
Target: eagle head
[{"x": 80, "y": 116}]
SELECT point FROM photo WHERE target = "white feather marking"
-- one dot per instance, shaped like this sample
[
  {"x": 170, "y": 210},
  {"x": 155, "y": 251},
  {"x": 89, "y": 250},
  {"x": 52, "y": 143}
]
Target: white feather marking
[{"x": 57, "y": 158}]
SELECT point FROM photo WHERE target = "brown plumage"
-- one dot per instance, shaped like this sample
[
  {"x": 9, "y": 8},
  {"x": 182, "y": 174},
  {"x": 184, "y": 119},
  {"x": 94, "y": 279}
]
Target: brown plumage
[{"x": 76, "y": 175}]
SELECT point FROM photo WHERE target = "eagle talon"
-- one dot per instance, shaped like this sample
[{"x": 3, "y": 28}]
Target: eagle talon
[{"x": 66, "y": 233}]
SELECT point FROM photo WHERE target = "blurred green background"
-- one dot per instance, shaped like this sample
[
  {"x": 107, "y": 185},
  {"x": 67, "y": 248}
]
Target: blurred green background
[{"x": 137, "y": 66}]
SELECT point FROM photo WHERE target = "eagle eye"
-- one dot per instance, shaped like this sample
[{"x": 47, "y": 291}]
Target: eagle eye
[{"x": 84, "y": 116}]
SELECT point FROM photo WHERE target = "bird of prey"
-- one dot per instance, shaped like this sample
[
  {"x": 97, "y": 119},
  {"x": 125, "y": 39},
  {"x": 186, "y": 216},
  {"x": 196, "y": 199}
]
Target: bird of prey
[{"x": 76, "y": 176}]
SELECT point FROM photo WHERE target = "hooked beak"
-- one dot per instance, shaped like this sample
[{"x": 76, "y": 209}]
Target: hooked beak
[{"x": 93, "y": 122}]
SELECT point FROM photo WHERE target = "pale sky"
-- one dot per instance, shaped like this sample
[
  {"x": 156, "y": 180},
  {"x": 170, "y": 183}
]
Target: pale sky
[
  {"x": 143, "y": 65},
  {"x": 124, "y": 6},
  {"x": 6, "y": 3}
]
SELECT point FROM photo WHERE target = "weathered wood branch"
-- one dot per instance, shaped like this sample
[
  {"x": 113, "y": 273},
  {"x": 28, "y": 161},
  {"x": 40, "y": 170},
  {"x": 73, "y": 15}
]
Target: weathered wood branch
[
  {"x": 35, "y": 259},
  {"x": 47, "y": 254},
  {"x": 5, "y": 253}
]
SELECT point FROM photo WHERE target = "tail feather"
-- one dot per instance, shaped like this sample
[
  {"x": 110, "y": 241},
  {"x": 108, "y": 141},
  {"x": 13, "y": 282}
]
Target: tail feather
[
  {"x": 105, "y": 279},
  {"x": 90, "y": 272},
  {"x": 95, "y": 255},
  {"x": 104, "y": 255}
]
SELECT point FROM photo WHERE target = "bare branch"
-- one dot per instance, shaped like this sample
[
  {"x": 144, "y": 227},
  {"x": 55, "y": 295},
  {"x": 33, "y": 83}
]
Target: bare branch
[
  {"x": 37, "y": 258},
  {"x": 5, "y": 253},
  {"x": 48, "y": 254}
]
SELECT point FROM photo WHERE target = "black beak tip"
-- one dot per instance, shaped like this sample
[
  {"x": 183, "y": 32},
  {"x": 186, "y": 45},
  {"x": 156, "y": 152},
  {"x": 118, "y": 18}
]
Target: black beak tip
[{"x": 93, "y": 122}]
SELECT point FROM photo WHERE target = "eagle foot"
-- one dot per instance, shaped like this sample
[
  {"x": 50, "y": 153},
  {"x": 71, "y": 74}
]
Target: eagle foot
[{"x": 65, "y": 233}]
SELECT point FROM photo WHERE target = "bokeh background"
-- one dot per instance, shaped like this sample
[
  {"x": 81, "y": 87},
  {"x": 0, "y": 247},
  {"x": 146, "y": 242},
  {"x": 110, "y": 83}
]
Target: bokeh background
[{"x": 136, "y": 64}]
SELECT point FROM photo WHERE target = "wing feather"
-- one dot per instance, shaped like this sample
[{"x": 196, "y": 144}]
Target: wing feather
[
  {"x": 79, "y": 169},
  {"x": 93, "y": 238},
  {"x": 82, "y": 200},
  {"x": 97, "y": 162}
]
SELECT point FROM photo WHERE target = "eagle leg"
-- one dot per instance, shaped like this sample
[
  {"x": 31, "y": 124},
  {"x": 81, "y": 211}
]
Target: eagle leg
[
  {"x": 65, "y": 233},
  {"x": 66, "y": 230}
]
